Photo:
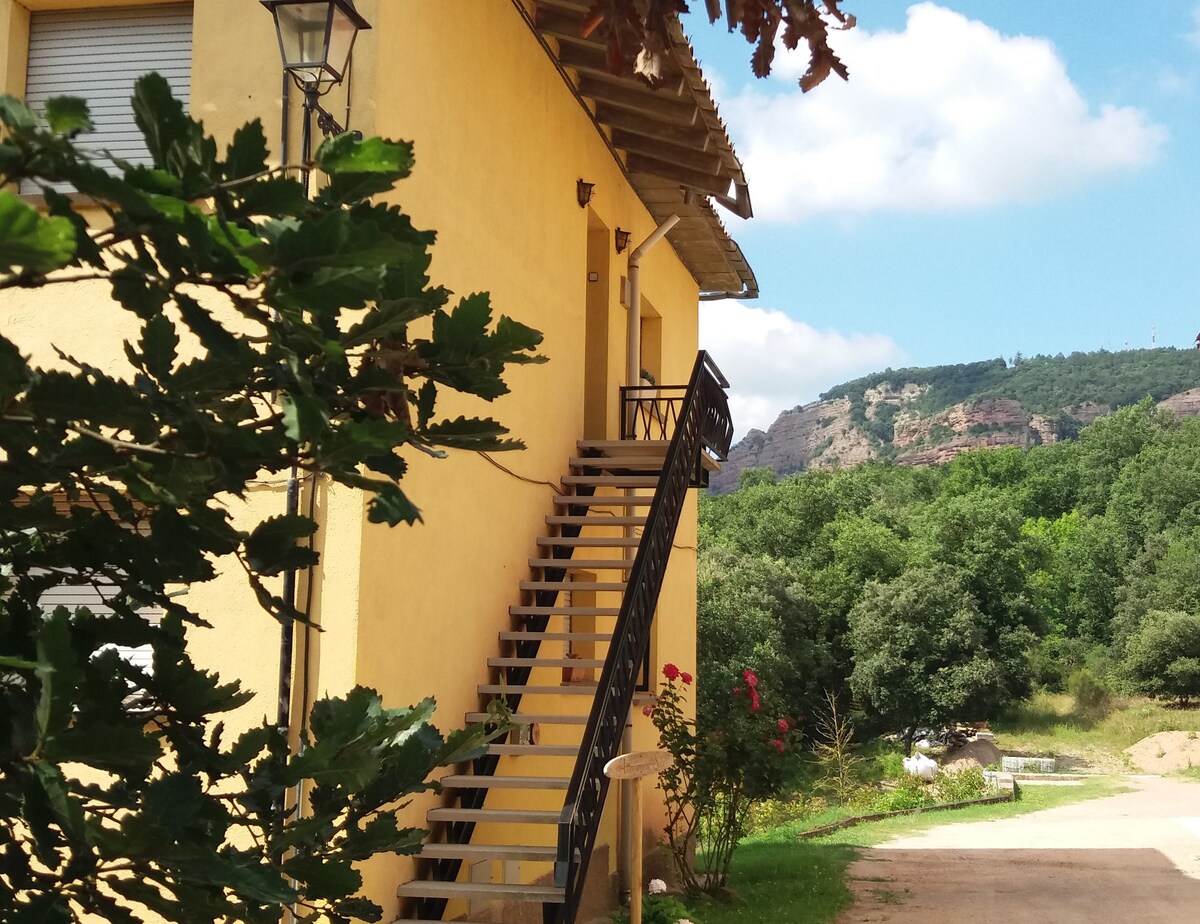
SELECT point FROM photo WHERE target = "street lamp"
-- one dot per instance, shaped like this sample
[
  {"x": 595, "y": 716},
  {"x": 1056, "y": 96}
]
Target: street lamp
[{"x": 315, "y": 41}]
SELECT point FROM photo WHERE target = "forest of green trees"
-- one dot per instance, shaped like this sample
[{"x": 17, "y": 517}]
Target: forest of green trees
[
  {"x": 941, "y": 594},
  {"x": 1042, "y": 384}
]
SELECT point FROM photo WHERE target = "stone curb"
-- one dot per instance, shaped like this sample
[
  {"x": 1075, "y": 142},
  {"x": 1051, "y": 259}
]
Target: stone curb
[{"x": 879, "y": 816}]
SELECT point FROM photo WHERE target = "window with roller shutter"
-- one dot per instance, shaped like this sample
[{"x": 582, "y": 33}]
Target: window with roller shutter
[
  {"x": 97, "y": 54},
  {"x": 95, "y": 595}
]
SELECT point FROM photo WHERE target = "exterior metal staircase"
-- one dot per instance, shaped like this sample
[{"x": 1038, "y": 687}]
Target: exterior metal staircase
[{"x": 512, "y": 836}]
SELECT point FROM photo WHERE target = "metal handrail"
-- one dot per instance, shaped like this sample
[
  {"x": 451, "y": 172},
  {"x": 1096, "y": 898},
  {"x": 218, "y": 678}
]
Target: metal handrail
[{"x": 704, "y": 425}]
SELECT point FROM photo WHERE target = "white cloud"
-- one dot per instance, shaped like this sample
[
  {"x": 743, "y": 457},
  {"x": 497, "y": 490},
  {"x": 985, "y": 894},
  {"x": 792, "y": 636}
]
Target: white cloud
[
  {"x": 948, "y": 114},
  {"x": 774, "y": 363}
]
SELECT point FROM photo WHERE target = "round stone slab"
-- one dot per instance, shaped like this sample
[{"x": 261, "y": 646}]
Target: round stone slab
[{"x": 638, "y": 764}]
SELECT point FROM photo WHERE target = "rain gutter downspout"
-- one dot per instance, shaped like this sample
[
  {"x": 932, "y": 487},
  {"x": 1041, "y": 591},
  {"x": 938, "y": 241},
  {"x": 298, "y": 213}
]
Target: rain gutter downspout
[
  {"x": 633, "y": 327},
  {"x": 633, "y": 377}
]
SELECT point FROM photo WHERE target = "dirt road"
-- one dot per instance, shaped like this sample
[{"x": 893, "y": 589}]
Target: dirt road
[{"x": 1132, "y": 858}]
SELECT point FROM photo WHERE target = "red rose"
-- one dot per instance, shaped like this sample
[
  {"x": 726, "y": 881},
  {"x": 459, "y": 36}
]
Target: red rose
[
  {"x": 686, "y": 678},
  {"x": 783, "y": 725},
  {"x": 779, "y": 745},
  {"x": 750, "y": 677},
  {"x": 754, "y": 701},
  {"x": 670, "y": 671},
  {"x": 737, "y": 691}
]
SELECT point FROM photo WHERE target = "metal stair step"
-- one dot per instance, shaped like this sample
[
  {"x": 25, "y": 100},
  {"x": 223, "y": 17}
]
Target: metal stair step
[
  {"x": 626, "y": 447},
  {"x": 594, "y": 542},
  {"x": 511, "y": 892},
  {"x": 614, "y": 500},
  {"x": 467, "y": 781},
  {"x": 534, "y": 750},
  {"x": 612, "y": 481},
  {"x": 496, "y": 816},
  {"x": 426, "y": 921},
  {"x": 519, "y": 636},
  {"x": 564, "y": 610},
  {"x": 597, "y": 586},
  {"x": 567, "y": 689},
  {"x": 631, "y": 462},
  {"x": 583, "y": 564},
  {"x": 545, "y": 662},
  {"x": 488, "y": 852},
  {"x": 531, "y": 718},
  {"x": 597, "y": 520}
]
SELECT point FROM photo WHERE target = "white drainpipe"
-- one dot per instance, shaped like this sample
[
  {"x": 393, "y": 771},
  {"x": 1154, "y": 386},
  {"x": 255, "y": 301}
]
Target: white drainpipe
[
  {"x": 633, "y": 327},
  {"x": 633, "y": 377}
]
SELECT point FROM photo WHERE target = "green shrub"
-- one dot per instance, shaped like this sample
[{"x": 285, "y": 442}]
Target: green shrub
[
  {"x": 658, "y": 909},
  {"x": 909, "y": 793},
  {"x": 962, "y": 786},
  {"x": 890, "y": 765},
  {"x": 771, "y": 813},
  {"x": 1162, "y": 658},
  {"x": 1091, "y": 693}
]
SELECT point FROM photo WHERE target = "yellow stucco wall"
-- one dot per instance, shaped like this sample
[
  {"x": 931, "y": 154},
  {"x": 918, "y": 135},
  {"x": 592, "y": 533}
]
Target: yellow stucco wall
[{"x": 500, "y": 143}]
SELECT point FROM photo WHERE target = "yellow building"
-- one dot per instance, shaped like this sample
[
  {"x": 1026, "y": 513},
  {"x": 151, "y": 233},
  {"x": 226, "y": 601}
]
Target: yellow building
[{"x": 550, "y": 183}]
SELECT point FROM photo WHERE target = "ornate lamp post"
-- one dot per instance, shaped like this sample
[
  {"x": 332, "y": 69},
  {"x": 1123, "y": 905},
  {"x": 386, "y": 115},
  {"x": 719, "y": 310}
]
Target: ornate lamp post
[
  {"x": 315, "y": 42},
  {"x": 316, "y": 38}
]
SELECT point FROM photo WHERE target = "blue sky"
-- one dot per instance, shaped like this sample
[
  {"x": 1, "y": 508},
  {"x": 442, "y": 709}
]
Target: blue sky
[{"x": 997, "y": 177}]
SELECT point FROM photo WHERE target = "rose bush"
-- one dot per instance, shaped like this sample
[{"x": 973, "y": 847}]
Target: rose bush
[{"x": 725, "y": 760}]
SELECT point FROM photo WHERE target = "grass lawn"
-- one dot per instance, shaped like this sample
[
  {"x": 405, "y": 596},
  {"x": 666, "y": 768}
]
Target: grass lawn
[
  {"x": 1049, "y": 724},
  {"x": 777, "y": 878}
]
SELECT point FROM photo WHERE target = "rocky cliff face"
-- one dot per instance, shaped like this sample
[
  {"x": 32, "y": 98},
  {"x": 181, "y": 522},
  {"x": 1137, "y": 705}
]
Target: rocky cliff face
[
  {"x": 824, "y": 434},
  {"x": 817, "y": 434},
  {"x": 942, "y": 436},
  {"x": 1184, "y": 404}
]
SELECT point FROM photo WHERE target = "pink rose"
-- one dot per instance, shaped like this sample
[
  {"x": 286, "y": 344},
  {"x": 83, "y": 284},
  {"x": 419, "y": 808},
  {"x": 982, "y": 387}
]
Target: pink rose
[
  {"x": 783, "y": 725},
  {"x": 779, "y": 745},
  {"x": 648, "y": 710}
]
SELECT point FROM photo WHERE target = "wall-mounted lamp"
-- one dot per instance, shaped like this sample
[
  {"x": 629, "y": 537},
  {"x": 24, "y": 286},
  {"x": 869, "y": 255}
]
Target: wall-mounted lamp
[
  {"x": 583, "y": 192},
  {"x": 316, "y": 38},
  {"x": 315, "y": 41},
  {"x": 621, "y": 239}
]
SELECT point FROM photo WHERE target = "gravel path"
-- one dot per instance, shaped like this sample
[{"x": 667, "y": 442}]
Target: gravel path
[{"x": 1133, "y": 857}]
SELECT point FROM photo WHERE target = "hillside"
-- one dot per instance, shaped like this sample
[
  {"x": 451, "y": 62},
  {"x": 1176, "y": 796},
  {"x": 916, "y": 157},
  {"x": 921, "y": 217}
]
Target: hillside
[{"x": 921, "y": 416}]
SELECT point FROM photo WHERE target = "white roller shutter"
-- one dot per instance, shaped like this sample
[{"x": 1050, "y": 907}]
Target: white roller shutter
[
  {"x": 97, "y": 54},
  {"x": 95, "y": 596}
]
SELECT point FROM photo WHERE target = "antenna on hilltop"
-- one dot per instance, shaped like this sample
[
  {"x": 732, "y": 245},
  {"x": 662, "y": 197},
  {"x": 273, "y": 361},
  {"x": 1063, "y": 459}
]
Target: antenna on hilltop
[{"x": 1153, "y": 335}]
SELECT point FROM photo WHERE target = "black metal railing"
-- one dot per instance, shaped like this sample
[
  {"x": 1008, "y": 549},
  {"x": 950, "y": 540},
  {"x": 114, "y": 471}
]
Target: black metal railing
[
  {"x": 702, "y": 425},
  {"x": 650, "y": 412}
]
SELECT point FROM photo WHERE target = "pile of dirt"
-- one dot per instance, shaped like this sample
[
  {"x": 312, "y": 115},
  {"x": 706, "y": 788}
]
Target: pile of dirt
[
  {"x": 1166, "y": 751},
  {"x": 978, "y": 752}
]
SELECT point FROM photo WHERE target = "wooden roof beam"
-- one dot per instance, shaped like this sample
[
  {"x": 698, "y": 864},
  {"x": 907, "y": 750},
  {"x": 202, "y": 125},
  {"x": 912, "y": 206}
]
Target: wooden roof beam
[
  {"x": 586, "y": 57},
  {"x": 701, "y": 182},
  {"x": 664, "y": 150},
  {"x": 628, "y": 95},
  {"x": 696, "y": 139}
]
